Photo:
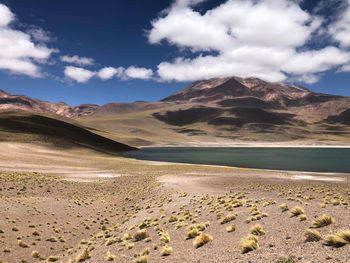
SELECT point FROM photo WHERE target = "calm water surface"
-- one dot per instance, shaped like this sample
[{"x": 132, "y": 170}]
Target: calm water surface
[{"x": 295, "y": 159}]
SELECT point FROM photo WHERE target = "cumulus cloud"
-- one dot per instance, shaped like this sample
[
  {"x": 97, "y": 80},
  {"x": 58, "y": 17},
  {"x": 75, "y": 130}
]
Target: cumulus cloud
[
  {"x": 80, "y": 61},
  {"x": 18, "y": 53},
  {"x": 80, "y": 75},
  {"x": 340, "y": 30},
  {"x": 246, "y": 38},
  {"x": 109, "y": 72},
  {"x": 133, "y": 72}
]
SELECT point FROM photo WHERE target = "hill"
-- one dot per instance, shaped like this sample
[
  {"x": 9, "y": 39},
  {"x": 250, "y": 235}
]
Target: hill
[{"x": 28, "y": 127}]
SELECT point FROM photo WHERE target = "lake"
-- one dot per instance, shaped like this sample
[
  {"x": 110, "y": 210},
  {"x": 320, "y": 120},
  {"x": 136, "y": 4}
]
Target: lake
[{"x": 294, "y": 159}]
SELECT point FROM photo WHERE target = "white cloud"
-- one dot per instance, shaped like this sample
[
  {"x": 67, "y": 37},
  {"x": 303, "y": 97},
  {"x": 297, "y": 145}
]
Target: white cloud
[
  {"x": 80, "y": 75},
  {"x": 340, "y": 30},
  {"x": 307, "y": 78},
  {"x": 40, "y": 35},
  {"x": 133, "y": 72},
  {"x": 265, "y": 39},
  {"x": 316, "y": 60},
  {"x": 81, "y": 61},
  {"x": 18, "y": 53},
  {"x": 109, "y": 72},
  {"x": 6, "y": 16}
]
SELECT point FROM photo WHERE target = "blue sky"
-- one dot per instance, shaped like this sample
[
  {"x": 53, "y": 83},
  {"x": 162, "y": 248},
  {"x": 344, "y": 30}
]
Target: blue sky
[{"x": 151, "y": 49}]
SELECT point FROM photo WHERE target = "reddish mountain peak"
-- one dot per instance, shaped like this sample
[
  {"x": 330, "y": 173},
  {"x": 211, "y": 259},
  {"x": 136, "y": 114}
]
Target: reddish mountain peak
[{"x": 223, "y": 88}]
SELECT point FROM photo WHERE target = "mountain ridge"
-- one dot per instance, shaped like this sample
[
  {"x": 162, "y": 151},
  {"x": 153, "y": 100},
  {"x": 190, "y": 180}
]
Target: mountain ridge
[
  {"x": 210, "y": 110},
  {"x": 203, "y": 91}
]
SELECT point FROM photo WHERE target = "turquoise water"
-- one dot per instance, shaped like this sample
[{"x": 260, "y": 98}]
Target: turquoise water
[{"x": 294, "y": 159}]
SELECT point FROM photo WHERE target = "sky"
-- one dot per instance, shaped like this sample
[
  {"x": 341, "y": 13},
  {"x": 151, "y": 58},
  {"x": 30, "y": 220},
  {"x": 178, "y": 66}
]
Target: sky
[{"x": 127, "y": 50}]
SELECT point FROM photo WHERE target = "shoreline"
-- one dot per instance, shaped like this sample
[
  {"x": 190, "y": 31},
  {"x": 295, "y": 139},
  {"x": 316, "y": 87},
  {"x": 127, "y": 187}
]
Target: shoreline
[
  {"x": 243, "y": 146},
  {"x": 258, "y": 170},
  {"x": 248, "y": 145}
]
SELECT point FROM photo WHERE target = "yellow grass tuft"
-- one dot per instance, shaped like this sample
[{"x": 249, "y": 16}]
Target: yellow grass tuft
[
  {"x": 141, "y": 259},
  {"x": 335, "y": 241},
  {"x": 165, "y": 238},
  {"x": 166, "y": 250},
  {"x": 297, "y": 210},
  {"x": 35, "y": 254},
  {"x": 22, "y": 244},
  {"x": 344, "y": 234},
  {"x": 52, "y": 259},
  {"x": 231, "y": 228},
  {"x": 126, "y": 236},
  {"x": 130, "y": 245},
  {"x": 148, "y": 239},
  {"x": 302, "y": 217},
  {"x": 202, "y": 239},
  {"x": 257, "y": 230},
  {"x": 192, "y": 233},
  {"x": 249, "y": 243},
  {"x": 322, "y": 221},
  {"x": 141, "y": 235},
  {"x": 312, "y": 235},
  {"x": 110, "y": 256},
  {"x": 83, "y": 256},
  {"x": 228, "y": 218},
  {"x": 284, "y": 207}
]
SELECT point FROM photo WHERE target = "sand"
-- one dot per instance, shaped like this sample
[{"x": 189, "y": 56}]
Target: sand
[{"x": 77, "y": 199}]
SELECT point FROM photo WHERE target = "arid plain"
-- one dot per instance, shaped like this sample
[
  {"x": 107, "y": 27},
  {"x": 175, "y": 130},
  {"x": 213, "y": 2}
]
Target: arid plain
[{"x": 79, "y": 205}]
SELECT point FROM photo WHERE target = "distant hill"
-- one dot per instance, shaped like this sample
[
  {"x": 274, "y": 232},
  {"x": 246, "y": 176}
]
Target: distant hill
[
  {"x": 214, "y": 110},
  {"x": 28, "y": 127}
]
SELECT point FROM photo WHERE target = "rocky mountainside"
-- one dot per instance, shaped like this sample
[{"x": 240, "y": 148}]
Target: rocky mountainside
[
  {"x": 219, "y": 89},
  {"x": 220, "y": 92},
  {"x": 230, "y": 108},
  {"x": 24, "y": 103},
  {"x": 21, "y": 102},
  {"x": 255, "y": 99}
]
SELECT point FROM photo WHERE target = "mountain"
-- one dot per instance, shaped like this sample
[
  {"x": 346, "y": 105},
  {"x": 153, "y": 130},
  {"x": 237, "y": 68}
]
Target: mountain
[
  {"x": 215, "y": 90},
  {"x": 237, "y": 101},
  {"x": 216, "y": 110},
  {"x": 24, "y": 103}
]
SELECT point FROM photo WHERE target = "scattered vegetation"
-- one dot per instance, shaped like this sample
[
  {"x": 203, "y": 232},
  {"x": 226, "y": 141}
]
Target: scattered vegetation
[
  {"x": 312, "y": 235},
  {"x": 302, "y": 217},
  {"x": 322, "y": 221},
  {"x": 284, "y": 207},
  {"x": 202, "y": 239},
  {"x": 52, "y": 259},
  {"x": 141, "y": 259},
  {"x": 141, "y": 235},
  {"x": 296, "y": 211},
  {"x": 228, "y": 218},
  {"x": 339, "y": 239},
  {"x": 257, "y": 230},
  {"x": 110, "y": 256},
  {"x": 166, "y": 250},
  {"x": 83, "y": 256},
  {"x": 286, "y": 260},
  {"x": 249, "y": 243},
  {"x": 231, "y": 228}
]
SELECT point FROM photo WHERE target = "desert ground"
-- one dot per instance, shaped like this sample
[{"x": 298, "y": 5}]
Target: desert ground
[{"x": 78, "y": 205}]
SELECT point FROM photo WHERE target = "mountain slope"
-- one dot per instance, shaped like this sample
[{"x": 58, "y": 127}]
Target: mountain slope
[
  {"x": 217, "y": 110},
  {"x": 28, "y": 127}
]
